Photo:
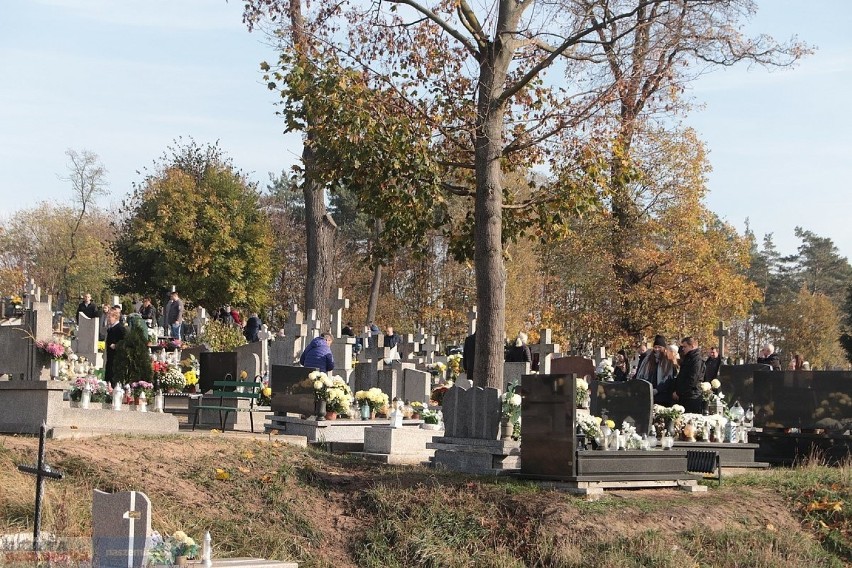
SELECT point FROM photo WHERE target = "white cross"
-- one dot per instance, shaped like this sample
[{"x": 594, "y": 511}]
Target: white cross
[{"x": 131, "y": 516}]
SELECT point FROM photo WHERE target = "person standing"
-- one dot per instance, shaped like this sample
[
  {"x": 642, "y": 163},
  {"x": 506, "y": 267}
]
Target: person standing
[
  {"x": 174, "y": 315},
  {"x": 712, "y": 364},
  {"x": 392, "y": 338},
  {"x": 469, "y": 355},
  {"x": 519, "y": 352},
  {"x": 658, "y": 368},
  {"x": 317, "y": 355},
  {"x": 688, "y": 381},
  {"x": 252, "y": 328},
  {"x": 87, "y": 308},
  {"x": 768, "y": 356},
  {"x": 146, "y": 310},
  {"x": 115, "y": 333}
]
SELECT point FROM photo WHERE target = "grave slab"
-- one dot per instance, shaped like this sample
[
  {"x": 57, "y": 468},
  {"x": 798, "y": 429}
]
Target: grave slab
[{"x": 121, "y": 525}]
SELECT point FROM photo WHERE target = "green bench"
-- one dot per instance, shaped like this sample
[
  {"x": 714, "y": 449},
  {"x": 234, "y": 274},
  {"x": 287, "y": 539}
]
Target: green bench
[{"x": 228, "y": 389}]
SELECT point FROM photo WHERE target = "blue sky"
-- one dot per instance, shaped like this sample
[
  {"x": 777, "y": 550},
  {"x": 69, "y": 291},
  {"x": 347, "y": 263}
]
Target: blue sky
[{"x": 124, "y": 79}]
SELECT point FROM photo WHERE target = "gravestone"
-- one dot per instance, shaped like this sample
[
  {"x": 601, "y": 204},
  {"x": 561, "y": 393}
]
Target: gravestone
[
  {"x": 264, "y": 337},
  {"x": 390, "y": 378},
  {"x": 295, "y": 332},
  {"x": 807, "y": 400},
  {"x": 200, "y": 321},
  {"x": 338, "y": 304},
  {"x": 512, "y": 373},
  {"x": 87, "y": 338},
  {"x": 631, "y": 401},
  {"x": 471, "y": 321},
  {"x": 544, "y": 351},
  {"x": 429, "y": 346},
  {"x": 121, "y": 526},
  {"x": 471, "y": 413},
  {"x": 316, "y": 325},
  {"x": 249, "y": 359},
  {"x": 738, "y": 382},
  {"x": 366, "y": 375},
  {"x": 580, "y": 366},
  {"x": 722, "y": 332},
  {"x": 292, "y": 391},
  {"x": 416, "y": 385},
  {"x": 215, "y": 365},
  {"x": 548, "y": 409},
  {"x": 471, "y": 426}
]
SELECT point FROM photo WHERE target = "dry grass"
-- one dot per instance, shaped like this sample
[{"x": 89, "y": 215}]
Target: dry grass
[{"x": 269, "y": 500}]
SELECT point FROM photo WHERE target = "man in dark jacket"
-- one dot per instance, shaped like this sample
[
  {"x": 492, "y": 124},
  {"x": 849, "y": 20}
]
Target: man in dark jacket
[
  {"x": 468, "y": 355},
  {"x": 317, "y": 355},
  {"x": 688, "y": 381},
  {"x": 711, "y": 365},
  {"x": 115, "y": 333},
  {"x": 87, "y": 308}
]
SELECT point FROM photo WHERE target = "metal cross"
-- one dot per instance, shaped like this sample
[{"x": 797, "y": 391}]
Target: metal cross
[{"x": 41, "y": 471}]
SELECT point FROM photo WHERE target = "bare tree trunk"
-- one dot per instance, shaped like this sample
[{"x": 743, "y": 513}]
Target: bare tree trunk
[
  {"x": 375, "y": 285},
  {"x": 319, "y": 227},
  {"x": 488, "y": 219}
]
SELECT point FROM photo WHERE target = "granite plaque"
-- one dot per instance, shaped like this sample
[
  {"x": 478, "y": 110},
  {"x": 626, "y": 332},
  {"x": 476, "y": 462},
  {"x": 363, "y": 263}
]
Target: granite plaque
[
  {"x": 803, "y": 399},
  {"x": 631, "y": 401},
  {"x": 215, "y": 365}
]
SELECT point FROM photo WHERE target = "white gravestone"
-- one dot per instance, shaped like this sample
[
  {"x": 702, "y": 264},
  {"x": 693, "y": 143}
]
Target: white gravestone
[{"x": 121, "y": 526}]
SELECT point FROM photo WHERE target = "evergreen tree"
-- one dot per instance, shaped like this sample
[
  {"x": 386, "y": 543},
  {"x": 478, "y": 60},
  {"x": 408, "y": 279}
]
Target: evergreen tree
[{"x": 132, "y": 358}]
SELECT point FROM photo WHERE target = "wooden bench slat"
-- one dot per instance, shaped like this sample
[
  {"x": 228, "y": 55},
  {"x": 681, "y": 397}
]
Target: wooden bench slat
[{"x": 250, "y": 392}]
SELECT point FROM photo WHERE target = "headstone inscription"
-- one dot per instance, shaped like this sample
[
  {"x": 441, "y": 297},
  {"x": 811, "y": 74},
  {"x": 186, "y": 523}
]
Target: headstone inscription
[
  {"x": 42, "y": 471},
  {"x": 548, "y": 409},
  {"x": 121, "y": 526},
  {"x": 631, "y": 402}
]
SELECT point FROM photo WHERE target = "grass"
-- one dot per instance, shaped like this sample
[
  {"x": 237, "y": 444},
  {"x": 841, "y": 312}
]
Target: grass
[{"x": 320, "y": 510}]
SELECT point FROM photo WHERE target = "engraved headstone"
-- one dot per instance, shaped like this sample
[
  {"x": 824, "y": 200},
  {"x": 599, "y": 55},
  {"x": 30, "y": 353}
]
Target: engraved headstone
[
  {"x": 121, "y": 525},
  {"x": 631, "y": 402}
]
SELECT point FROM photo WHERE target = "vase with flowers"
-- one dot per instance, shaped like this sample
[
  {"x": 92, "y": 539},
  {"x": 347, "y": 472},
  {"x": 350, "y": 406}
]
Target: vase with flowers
[{"x": 511, "y": 413}]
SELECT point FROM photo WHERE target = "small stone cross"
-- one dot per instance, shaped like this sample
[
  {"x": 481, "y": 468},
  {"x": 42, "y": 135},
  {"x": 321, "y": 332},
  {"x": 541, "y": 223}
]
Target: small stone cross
[
  {"x": 722, "y": 332},
  {"x": 338, "y": 304},
  {"x": 545, "y": 349}
]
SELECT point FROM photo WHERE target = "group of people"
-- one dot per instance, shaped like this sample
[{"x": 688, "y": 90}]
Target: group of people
[
  {"x": 676, "y": 372},
  {"x": 230, "y": 315}
]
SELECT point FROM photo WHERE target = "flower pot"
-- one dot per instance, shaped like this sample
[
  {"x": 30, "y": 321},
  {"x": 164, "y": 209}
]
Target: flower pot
[
  {"x": 415, "y": 416},
  {"x": 331, "y": 415},
  {"x": 181, "y": 561}
]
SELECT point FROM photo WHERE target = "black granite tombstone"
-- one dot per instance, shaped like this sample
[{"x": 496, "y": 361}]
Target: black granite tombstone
[
  {"x": 214, "y": 366},
  {"x": 808, "y": 400},
  {"x": 549, "y": 437},
  {"x": 291, "y": 390},
  {"x": 631, "y": 401},
  {"x": 738, "y": 382}
]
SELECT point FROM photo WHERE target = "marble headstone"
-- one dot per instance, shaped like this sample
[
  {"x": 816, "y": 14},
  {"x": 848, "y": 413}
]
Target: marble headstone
[{"x": 580, "y": 366}]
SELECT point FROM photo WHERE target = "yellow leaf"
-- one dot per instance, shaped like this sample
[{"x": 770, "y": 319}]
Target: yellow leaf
[
  {"x": 222, "y": 475},
  {"x": 243, "y": 469},
  {"x": 247, "y": 455}
]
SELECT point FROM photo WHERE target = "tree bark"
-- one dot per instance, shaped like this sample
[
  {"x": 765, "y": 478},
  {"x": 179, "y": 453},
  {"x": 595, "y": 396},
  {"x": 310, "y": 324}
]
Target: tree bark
[
  {"x": 319, "y": 227},
  {"x": 375, "y": 285},
  {"x": 488, "y": 214}
]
